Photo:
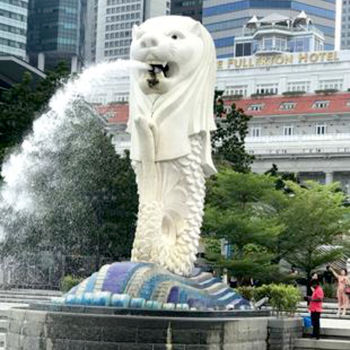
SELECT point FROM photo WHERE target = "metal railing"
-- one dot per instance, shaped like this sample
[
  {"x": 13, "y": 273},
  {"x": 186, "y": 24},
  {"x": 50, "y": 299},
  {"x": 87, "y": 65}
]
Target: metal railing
[{"x": 298, "y": 138}]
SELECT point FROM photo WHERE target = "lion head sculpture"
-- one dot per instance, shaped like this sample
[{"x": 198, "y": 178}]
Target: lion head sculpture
[{"x": 177, "y": 92}]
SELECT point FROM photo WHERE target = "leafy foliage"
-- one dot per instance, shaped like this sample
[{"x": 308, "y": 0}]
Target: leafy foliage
[
  {"x": 84, "y": 195},
  {"x": 282, "y": 297},
  {"x": 265, "y": 223},
  {"x": 313, "y": 218},
  {"x": 68, "y": 282},
  {"x": 228, "y": 140},
  {"x": 244, "y": 209},
  {"x": 20, "y": 105}
]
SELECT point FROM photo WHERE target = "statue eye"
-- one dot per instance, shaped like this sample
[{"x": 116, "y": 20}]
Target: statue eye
[{"x": 174, "y": 36}]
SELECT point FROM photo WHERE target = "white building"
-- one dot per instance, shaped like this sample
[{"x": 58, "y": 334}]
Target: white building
[
  {"x": 276, "y": 34},
  {"x": 13, "y": 28},
  {"x": 276, "y": 74},
  {"x": 109, "y": 25}
]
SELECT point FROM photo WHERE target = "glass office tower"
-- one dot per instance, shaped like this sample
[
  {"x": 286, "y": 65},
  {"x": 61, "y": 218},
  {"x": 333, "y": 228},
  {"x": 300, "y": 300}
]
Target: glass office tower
[
  {"x": 56, "y": 32},
  {"x": 190, "y": 8}
]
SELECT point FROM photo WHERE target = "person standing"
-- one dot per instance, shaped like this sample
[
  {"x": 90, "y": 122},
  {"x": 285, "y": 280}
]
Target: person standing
[
  {"x": 315, "y": 307},
  {"x": 328, "y": 275},
  {"x": 343, "y": 299},
  {"x": 309, "y": 290}
]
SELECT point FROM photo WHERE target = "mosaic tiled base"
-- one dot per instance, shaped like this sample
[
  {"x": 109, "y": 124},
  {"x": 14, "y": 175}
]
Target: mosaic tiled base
[{"x": 145, "y": 285}]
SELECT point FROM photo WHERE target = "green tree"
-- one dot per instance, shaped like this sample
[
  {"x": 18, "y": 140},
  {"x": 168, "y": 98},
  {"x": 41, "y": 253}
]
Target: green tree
[
  {"x": 281, "y": 178},
  {"x": 228, "y": 140},
  {"x": 315, "y": 219},
  {"x": 244, "y": 209},
  {"x": 84, "y": 195},
  {"x": 22, "y": 103}
]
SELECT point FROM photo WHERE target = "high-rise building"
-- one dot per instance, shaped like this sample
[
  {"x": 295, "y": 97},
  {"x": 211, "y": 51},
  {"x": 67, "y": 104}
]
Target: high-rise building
[
  {"x": 110, "y": 22},
  {"x": 225, "y": 18},
  {"x": 345, "y": 25},
  {"x": 190, "y": 8},
  {"x": 13, "y": 27},
  {"x": 56, "y": 32}
]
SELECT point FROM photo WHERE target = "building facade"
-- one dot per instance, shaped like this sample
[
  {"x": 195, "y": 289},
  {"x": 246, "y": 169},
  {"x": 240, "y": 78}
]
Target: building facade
[
  {"x": 13, "y": 27},
  {"x": 190, "y": 8},
  {"x": 307, "y": 134},
  {"x": 308, "y": 72},
  {"x": 110, "y": 22},
  {"x": 300, "y": 105},
  {"x": 225, "y": 18},
  {"x": 56, "y": 32}
]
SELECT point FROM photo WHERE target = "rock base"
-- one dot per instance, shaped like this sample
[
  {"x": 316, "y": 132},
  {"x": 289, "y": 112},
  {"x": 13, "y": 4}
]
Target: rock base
[{"x": 84, "y": 329}]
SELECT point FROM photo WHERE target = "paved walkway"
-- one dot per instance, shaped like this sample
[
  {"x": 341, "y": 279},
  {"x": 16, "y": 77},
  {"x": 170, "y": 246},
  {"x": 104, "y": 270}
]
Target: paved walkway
[{"x": 335, "y": 323}]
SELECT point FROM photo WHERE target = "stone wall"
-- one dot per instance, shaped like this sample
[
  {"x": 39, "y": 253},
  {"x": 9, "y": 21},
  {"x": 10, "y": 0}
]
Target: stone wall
[
  {"x": 45, "y": 330},
  {"x": 282, "y": 333},
  {"x": 31, "y": 329}
]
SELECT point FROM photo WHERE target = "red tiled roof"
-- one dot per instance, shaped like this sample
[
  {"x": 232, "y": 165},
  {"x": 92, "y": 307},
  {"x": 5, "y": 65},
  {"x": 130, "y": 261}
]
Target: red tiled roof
[
  {"x": 117, "y": 113},
  {"x": 338, "y": 103}
]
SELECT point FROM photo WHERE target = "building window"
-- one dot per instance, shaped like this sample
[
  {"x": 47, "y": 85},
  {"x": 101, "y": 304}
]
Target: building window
[
  {"x": 256, "y": 107},
  {"x": 336, "y": 84},
  {"x": 321, "y": 104},
  {"x": 256, "y": 131},
  {"x": 321, "y": 129},
  {"x": 236, "y": 90},
  {"x": 299, "y": 86},
  {"x": 285, "y": 106},
  {"x": 288, "y": 130},
  {"x": 269, "y": 89},
  {"x": 280, "y": 44},
  {"x": 243, "y": 49}
]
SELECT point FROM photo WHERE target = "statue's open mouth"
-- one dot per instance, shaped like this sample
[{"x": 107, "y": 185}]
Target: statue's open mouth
[
  {"x": 157, "y": 68},
  {"x": 158, "y": 71}
]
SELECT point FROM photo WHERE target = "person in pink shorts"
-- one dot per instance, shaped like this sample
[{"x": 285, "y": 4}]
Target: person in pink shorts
[{"x": 343, "y": 299}]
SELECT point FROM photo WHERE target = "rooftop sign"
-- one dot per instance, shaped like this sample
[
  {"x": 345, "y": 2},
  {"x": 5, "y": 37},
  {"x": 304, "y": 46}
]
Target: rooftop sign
[{"x": 278, "y": 60}]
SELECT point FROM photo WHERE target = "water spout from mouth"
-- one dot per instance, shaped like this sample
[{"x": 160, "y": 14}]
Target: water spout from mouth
[{"x": 137, "y": 65}]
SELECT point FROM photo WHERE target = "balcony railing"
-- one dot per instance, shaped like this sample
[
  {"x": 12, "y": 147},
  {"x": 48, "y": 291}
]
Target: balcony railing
[
  {"x": 298, "y": 138},
  {"x": 252, "y": 31}
]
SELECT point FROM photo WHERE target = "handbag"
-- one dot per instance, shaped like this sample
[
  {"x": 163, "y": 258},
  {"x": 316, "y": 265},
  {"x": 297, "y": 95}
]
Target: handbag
[{"x": 347, "y": 289}]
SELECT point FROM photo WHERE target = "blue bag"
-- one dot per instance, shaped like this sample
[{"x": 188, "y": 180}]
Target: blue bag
[{"x": 307, "y": 322}]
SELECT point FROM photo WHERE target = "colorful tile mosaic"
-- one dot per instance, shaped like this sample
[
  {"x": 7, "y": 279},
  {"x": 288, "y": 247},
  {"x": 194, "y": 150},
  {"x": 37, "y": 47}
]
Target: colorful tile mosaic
[{"x": 146, "y": 285}]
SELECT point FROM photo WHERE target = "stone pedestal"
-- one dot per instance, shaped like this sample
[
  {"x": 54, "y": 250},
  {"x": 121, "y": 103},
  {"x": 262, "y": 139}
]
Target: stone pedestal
[
  {"x": 283, "y": 332},
  {"x": 85, "y": 329}
]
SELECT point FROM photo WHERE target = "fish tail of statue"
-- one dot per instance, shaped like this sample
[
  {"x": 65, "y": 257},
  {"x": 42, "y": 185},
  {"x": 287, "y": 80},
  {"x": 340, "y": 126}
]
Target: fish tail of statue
[{"x": 168, "y": 228}]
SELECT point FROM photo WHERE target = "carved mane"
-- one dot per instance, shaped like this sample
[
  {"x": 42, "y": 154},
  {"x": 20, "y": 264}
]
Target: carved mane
[{"x": 188, "y": 104}]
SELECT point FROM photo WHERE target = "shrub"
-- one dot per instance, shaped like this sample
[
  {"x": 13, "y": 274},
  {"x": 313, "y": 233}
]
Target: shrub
[
  {"x": 262, "y": 292},
  {"x": 329, "y": 290},
  {"x": 68, "y": 282},
  {"x": 246, "y": 292},
  {"x": 282, "y": 297}
]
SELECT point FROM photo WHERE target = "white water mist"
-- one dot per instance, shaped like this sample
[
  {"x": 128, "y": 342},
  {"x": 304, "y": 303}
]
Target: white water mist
[{"x": 48, "y": 135}]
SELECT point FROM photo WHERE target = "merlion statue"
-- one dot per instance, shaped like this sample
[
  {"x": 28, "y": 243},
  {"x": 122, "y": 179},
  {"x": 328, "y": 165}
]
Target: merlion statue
[{"x": 171, "y": 116}]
